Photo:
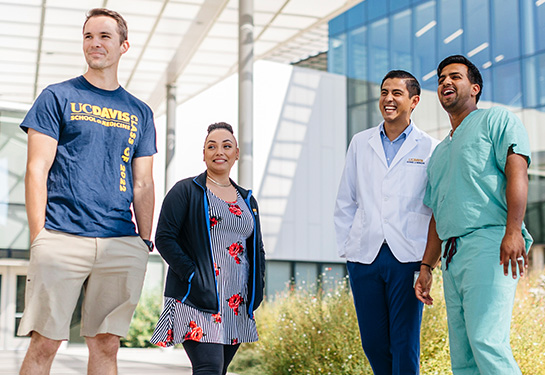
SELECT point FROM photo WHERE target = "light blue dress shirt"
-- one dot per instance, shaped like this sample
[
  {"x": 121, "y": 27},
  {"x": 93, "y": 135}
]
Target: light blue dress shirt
[{"x": 392, "y": 147}]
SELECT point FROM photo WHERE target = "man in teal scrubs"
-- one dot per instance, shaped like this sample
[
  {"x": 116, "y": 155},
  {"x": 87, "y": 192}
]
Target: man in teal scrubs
[{"x": 477, "y": 190}]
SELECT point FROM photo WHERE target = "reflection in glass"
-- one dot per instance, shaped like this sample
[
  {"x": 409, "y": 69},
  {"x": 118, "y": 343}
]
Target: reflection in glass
[
  {"x": 378, "y": 52},
  {"x": 425, "y": 61},
  {"x": 19, "y": 299},
  {"x": 450, "y": 27},
  {"x": 476, "y": 33},
  {"x": 337, "y": 54},
  {"x": 505, "y": 23},
  {"x": 507, "y": 84},
  {"x": 401, "y": 41},
  {"x": 278, "y": 277},
  {"x": 357, "y": 53}
]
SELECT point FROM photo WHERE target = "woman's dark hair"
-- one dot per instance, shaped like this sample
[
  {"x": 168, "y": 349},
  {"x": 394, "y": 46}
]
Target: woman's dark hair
[
  {"x": 473, "y": 73},
  {"x": 220, "y": 125},
  {"x": 413, "y": 87}
]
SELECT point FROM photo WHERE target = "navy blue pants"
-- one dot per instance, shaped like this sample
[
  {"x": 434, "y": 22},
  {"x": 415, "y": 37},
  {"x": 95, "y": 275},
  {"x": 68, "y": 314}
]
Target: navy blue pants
[{"x": 389, "y": 314}]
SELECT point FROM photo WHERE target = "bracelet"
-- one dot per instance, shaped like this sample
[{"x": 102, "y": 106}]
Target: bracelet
[{"x": 427, "y": 265}]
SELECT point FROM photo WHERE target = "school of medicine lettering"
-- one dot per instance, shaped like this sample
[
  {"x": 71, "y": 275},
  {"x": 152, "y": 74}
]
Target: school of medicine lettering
[{"x": 104, "y": 117}]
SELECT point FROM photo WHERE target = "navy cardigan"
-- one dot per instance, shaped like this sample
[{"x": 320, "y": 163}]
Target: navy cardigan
[{"x": 183, "y": 240}]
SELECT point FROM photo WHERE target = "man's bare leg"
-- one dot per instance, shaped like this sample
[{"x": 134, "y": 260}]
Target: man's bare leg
[
  {"x": 39, "y": 356},
  {"x": 102, "y": 354}
]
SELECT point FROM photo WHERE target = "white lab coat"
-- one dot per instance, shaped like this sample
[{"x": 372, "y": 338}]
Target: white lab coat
[{"x": 376, "y": 202}]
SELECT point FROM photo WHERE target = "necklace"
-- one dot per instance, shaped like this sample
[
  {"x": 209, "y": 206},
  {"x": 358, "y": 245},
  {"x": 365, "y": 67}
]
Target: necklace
[{"x": 217, "y": 183}]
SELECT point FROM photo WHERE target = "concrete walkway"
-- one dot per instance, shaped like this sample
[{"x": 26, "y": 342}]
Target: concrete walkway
[{"x": 73, "y": 360}]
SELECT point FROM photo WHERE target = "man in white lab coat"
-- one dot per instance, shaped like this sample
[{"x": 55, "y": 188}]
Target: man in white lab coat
[{"x": 382, "y": 225}]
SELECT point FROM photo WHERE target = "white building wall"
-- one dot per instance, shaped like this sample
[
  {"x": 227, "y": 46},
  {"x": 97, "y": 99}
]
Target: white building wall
[
  {"x": 299, "y": 148},
  {"x": 303, "y": 168}
]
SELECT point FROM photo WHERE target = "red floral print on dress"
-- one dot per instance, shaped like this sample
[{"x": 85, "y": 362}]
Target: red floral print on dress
[
  {"x": 216, "y": 317},
  {"x": 235, "y": 209},
  {"x": 169, "y": 340},
  {"x": 217, "y": 269},
  {"x": 234, "y": 341},
  {"x": 234, "y": 302},
  {"x": 214, "y": 220},
  {"x": 195, "y": 334},
  {"x": 235, "y": 249}
]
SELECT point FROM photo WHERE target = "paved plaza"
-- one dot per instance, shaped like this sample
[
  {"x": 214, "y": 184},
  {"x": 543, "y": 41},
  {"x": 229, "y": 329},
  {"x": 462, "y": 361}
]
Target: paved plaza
[{"x": 73, "y": 360}]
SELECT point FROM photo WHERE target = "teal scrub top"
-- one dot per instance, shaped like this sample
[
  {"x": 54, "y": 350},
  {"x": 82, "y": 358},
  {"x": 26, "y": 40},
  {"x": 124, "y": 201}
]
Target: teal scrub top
[{"x": 466, "y": 173}]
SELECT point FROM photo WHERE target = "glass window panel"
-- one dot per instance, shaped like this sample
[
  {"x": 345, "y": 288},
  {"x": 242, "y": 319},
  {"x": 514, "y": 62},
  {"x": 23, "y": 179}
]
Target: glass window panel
[
  {"x": 505, "y": 23},
  {"x": 378, "y": 52},
  {"x": 19, "y": 299},
  {"x": 476, "y": 31},
  {"x": 75, "y": 323},
  {"x": 278, "y": 278},
  {"x": 357, "y": 15},
  {"x": 540, "y": 22},
  {"x": 401, "y": 41},
  {"x": 535, "y": 211},
  {"x": 541, "y": 79},
  {"x": 337, "y": 25},
  {"x": 450, "y": 28},
  {"x": 358, "y": 91},
  {"x": 528, "y": 26},
  {"x": 398, "y": 4},
  {"x": 306, "y": 276},
  {"x": 332, "y": 275},
  {"x": 336, "y": 59},
  {"x": 374, "y": 115},
  {"x": 531, "y": 82},
  {"x": 357, "y": 120},
  {"x": 507, "y": 84},
  {"x": 425, "y": 31},
  {"x": 377, "y": 8},
  {"x": 13, "y": 220},
  {"x": 357, "y": 53},
  {"x": 487, "y": 84}
]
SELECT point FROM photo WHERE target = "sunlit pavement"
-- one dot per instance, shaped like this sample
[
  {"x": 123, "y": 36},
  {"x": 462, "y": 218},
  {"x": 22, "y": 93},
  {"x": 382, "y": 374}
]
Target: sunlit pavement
[{"x": 73, "y": 360}]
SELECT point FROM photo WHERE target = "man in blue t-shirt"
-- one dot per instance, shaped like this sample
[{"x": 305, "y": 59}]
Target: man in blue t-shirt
[{"x": 90, "y": 155}]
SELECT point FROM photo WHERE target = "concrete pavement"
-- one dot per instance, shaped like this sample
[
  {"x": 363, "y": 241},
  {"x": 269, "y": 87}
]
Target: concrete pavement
[{"x": 73, "y": 360}]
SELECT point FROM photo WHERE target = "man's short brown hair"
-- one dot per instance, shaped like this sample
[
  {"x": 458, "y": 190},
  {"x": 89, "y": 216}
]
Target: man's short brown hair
[{"x": 122, "y": 29}]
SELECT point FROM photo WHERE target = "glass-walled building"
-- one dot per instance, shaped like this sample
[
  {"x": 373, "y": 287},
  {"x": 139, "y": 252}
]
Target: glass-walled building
[
  {"x": 14, "y": 244},
  {"x": 505, "y": 39}
]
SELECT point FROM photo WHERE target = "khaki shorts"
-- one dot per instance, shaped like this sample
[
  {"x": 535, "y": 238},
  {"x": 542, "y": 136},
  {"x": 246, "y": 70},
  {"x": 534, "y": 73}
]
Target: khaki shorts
[{"x": 111, "y": 270}]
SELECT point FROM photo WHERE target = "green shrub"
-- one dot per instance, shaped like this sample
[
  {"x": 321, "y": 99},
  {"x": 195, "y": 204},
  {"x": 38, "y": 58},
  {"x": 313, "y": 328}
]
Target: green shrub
[
  {"x": 306, "y": 333},
  {"x": 143, "y": 322}
]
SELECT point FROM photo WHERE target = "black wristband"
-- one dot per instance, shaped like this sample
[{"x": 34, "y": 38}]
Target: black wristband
[
  {"x": 427, "y": 265},
  {"x": 149, "y": 244}
]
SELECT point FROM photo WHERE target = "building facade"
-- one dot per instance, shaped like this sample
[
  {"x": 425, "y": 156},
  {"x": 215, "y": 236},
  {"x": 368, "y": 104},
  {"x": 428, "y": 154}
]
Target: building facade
[{"x": 505, "y": 39}]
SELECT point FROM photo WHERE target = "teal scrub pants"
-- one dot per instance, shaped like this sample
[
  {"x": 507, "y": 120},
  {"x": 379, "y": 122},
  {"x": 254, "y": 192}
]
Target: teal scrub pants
[{"x": 479, "y": 300}]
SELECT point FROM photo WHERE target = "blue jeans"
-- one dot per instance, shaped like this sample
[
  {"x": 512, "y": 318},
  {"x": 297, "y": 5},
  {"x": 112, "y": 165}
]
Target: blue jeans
[{"x": 389, "y": 314}]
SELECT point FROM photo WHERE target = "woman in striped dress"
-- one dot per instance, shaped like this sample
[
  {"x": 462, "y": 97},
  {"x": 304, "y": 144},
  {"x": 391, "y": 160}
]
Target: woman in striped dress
[{"x": 209, "y": 234}]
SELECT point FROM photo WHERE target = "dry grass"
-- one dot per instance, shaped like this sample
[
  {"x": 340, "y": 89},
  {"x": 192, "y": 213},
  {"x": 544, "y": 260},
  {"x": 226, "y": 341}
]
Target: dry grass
[{"x": 306, "y": 333}]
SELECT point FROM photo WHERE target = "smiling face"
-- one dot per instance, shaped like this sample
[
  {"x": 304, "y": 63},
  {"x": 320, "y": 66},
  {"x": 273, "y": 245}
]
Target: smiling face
[
  {"x": 394, "y": 103},
  {"x": 455, "y": 90},
  {"x": 220, "y": 151},
  {"x": 101, "y": 43}
]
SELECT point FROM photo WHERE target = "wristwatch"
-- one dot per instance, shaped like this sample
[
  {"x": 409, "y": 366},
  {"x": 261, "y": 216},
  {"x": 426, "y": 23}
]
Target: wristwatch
[{"x": 149, "y": 244}]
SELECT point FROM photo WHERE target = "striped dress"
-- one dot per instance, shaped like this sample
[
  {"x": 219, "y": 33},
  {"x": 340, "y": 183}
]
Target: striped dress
[{"x": 231, "y": 223}]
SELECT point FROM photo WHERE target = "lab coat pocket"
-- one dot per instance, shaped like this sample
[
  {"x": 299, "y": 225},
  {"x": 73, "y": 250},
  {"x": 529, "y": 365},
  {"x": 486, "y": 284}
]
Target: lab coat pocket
[
  {"x": 353, "y": 242},
  {"x": 414, "y": 181},
  {"x": 417, "y": 229}
]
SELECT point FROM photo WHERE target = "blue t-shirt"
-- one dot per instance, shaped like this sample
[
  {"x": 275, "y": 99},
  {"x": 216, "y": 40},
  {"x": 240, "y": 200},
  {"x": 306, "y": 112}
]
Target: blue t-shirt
[{"x": 99, "y": 132}]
